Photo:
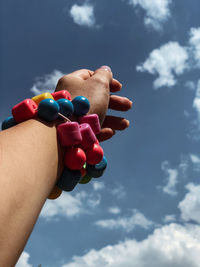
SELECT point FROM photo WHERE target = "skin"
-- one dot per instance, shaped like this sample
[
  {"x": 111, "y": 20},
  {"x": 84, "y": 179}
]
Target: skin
[{"x": 31, "y": 158}]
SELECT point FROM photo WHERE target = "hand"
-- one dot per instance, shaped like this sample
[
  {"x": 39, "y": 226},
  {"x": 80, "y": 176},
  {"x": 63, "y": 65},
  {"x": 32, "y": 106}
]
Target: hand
[{"x": 96, "y": 86}]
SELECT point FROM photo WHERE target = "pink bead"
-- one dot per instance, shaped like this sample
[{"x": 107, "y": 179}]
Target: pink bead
[
  {"x": 69, "y": 133},
  {"x": 94, "y": 155},
  {"x": 61, "y": 94},
  {"x": 25, "y": 110},
  {"x": 93, "y": 121},
  {"x": 75, "y": 158},
  {"x": 88, "y": 136}
]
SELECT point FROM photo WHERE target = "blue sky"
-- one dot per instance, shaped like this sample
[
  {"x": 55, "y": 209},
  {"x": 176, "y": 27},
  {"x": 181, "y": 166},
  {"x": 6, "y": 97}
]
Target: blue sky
[{"x": 145, "y": 210}]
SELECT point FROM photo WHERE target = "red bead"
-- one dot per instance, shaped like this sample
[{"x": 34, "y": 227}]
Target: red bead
[
  {"x": 75, "y": 158},
  {"x": 94, "y": 155},
  {"x": 69, "y": 133},
  {"x": 61, "y": 94},
  {"x": 25, "y": 110}
]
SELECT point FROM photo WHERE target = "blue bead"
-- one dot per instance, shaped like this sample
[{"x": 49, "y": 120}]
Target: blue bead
[
  {"x": 8, "y": 123},
  {"x": 81, "y": 105},
  {"x": 98, "y": 169},
  {"x": 48, "y": 110},
  {"x": 66, "y": 107},
  {"x": 69, "y": 179}
]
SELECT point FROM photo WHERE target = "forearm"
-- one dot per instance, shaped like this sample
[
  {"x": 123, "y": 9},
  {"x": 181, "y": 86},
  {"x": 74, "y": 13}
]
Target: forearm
[{"x": 29, "y": 166}]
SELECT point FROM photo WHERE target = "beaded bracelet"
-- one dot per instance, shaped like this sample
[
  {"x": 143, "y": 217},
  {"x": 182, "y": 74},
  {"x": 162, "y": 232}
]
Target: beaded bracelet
[{"x": 84, "y": 158}]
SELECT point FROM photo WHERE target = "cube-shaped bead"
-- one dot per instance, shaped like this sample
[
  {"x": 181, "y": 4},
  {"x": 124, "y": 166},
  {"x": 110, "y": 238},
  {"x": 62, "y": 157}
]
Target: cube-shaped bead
[
  {"x": 61, "y": 94},
  {"x": 88, "y": 136},
  {"x": 25, "y": 110},
  {"x": 68, "y": 179},
  {"x": 69, "y": 134},
  {"x": 38, "y": 98},
  {"x": 97, "y": 170},
  {"x": 93, "y": 121}
]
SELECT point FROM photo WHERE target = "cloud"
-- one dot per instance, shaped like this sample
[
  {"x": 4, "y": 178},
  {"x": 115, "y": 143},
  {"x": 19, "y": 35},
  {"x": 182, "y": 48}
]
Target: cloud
[
  {"x": 194, "y": 42},
  {"x": 98, "y": 185},
  {"x": 196, "y": 102},
  {"x": 114, "y": 210},
  {"x": 170, "y": 245},
  {"x": 190, "y": 205},
  {"x": 126, "y": 223},
  {"x": 169, "y": 218},
  {"x": 196, "y": 162},
  {"x": 190, "y": 84},
  {"x": 23, "y": 260},
  {"x": 47, "y": 83},
  {"x": 118, "y": 191},
  {"x": 156, "y": 11},
  {"x": 174, "y": 175},
  {"x": 167, "y": 62},
  {"x": 68, "y": 205},
  {"x": 83, "y": 15},
  {"x": 172, "y": 179}
]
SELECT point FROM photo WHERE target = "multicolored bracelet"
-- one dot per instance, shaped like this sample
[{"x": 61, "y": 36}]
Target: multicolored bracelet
[{"x": 84, "y": 158}]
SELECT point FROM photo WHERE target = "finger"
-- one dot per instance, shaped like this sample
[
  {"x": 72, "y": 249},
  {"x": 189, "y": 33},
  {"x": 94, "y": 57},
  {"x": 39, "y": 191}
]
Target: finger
[
  {"x": 103, "y": 76},
  {"x": 105, "y": 134},
  {"x": 82, "y": 73},
  {"x": 115, "y": 123},
  {"x": 120, "y": 103},
  {"x": 115, "y": 85}
]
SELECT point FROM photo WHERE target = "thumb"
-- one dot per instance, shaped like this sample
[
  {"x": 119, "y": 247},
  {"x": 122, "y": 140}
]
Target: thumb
[{"x": 103, "y": 76}]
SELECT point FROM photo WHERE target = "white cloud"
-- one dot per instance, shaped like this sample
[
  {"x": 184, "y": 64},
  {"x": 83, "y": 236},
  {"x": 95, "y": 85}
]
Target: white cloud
[
  {"x": 196, "y": 102},
  {"x": 118, "y": 191},
  {"x": 114, "y": 210},
  {"x": 172, "y": 179},
  {"x": 156, "y": 11},
  {"x": 46, "y": 83},
  {"x": 174, "y": 175},
  {"x": 196, "y": 162},
  {"x": 194, "y": 42},
  {"x": 190, "y": 205},
  {"x": 171, "y": 245},
  {"x": 98, "y": 185},
  {"x": 168, "y": 61},
  {"x": 190, "y": 84},
  {"x": 23, "y": 260},
  {"x": 93, "y": 200},
  {"x": 195, "y": 159},
  {"x": 169, "y": 218},
  {"x": 126, "y": 223},
  {"x": 83, "y": 15},
  {"x": 68, "y": 205}
]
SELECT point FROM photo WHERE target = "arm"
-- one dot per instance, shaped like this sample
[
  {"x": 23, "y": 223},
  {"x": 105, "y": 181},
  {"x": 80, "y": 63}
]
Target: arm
[{"x": 25, "y": 152}]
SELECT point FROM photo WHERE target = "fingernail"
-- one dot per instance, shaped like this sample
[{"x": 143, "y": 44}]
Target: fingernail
[
  {"x": 106, "y": 68},
  {"x": 128, "y": 123}
]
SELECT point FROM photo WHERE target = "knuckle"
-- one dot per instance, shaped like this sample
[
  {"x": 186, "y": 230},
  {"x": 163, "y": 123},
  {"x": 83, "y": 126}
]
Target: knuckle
[
  {"x": 63, "y": 79},
  {"x": 84, "y": 70},
  {"x": 102, "y": 80}
]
